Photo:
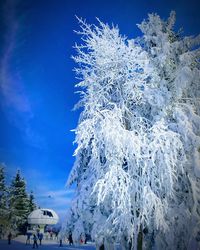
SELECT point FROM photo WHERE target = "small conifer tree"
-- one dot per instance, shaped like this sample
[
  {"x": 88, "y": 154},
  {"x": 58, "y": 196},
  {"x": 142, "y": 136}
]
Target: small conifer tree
[
  {"x": 3, "y": 202},
  {"x": 18, "y": 203}
]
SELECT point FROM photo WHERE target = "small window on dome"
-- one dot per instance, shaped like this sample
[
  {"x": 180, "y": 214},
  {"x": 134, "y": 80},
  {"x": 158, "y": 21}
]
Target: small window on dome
[{"x": 47, "y": 213}]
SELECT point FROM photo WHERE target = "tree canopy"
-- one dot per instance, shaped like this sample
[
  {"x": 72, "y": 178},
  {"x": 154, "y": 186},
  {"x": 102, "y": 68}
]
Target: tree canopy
[
  {"x": 15, "y": 204},
  {"x": 137, "y": 157}
]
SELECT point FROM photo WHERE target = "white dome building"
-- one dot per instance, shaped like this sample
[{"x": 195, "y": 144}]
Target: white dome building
[{"x": 43, "y": 216}]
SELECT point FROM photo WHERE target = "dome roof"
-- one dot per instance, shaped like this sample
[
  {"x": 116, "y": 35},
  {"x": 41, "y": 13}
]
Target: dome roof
[{"x": 43, "y": 217}]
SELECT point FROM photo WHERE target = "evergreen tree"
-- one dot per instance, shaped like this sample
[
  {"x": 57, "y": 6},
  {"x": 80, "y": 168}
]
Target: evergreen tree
[
  {"x": 18, "y": 203},
  {"x": 3, "y": 202},
  {"x": 137, "y": 158},
  {"x": 32, "y": 205}
]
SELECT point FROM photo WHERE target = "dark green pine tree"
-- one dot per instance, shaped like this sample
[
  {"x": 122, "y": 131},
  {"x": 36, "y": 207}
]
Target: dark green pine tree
[
  {"x": 3, "y": 202},
  {"x": 18, "y": 204},
  {"x": 32, "y": 206}
]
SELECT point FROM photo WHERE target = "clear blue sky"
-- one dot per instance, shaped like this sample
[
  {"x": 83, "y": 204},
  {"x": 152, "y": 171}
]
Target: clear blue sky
[{"x": 37, "y": 81}]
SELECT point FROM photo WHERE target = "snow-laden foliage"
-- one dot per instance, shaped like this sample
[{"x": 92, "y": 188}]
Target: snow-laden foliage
[
  {"x": 3, "y": 202},
  {"x": 15, "y": 204},
  {"x": 137, "y": 158},
  {"x": 176, "y": 60},
  {"x": 19, "y": 204}
]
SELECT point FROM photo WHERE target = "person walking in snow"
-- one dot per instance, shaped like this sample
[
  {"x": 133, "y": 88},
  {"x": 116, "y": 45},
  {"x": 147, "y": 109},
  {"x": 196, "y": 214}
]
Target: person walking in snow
[
  {"x": 35, "y": 244},
  {"x": 60, "y": 243},
  {"x": 40, "y": 238},
  {"x": 9, "y": 238},
  {"x": 28, "y": 239},
  {"x": 70, "y": 238}
]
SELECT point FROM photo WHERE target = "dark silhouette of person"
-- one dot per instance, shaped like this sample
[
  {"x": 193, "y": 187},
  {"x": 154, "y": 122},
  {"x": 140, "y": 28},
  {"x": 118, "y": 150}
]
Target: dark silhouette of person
[
  {"x": 56, "y": 235},
  {"x": 60, "y": 243},
  {"x": 35, "y": 244},
  {"x": 70, "y": 239},
  {"x": 40, "y": 238},
  {"x": 86, "y": 238},
  {"x": 1, "y": 231},
  {"x": 51, "y": 235},
  {"x": 9, "y": 238},
  {"x": 28, "y": 239}
]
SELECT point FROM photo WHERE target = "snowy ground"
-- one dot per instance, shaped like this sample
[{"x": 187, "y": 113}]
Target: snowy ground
[{"x": 19, "y": 244}]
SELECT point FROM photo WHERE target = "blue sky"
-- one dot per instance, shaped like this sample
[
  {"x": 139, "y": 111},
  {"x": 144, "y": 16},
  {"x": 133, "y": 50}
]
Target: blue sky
[{"x": 37, "y": 81}]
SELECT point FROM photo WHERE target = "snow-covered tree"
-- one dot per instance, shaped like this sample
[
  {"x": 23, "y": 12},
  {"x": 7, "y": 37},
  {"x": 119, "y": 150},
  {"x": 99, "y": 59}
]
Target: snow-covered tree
[
  {"x": 32, "y": 206},
  {"x": 176, "y": 60},
  {"x": 18, "y": 203},
  {"x": 3, "y": 191},
  {"x": 137, "y": 158},
  {"x": 3, "y": 202}
]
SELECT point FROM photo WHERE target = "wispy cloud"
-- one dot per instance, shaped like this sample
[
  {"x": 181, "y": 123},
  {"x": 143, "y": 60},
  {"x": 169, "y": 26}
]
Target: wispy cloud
[
  {"x": 14, "y": 99},
  {"x": 60, "y": 193},
  {"x": 58, "y": 200},
  {"x": 11, "y": 86}
]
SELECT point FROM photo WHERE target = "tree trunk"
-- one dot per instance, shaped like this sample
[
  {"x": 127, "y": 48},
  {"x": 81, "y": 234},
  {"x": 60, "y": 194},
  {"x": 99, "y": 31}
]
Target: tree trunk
[
  {"x": 108, "y": 245},
  {"x": 140, "y": 240}
]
